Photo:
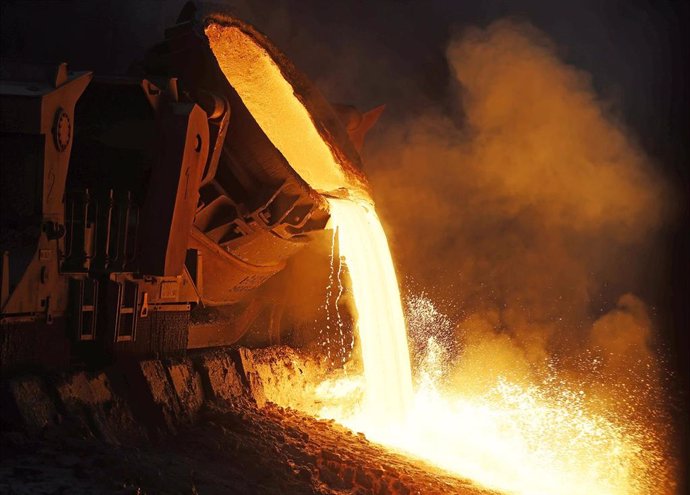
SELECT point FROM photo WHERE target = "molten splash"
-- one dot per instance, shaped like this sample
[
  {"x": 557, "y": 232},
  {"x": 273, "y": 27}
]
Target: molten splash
[
  {"x": 380, "y": 322},
  {"x": 520, "y": 439}
]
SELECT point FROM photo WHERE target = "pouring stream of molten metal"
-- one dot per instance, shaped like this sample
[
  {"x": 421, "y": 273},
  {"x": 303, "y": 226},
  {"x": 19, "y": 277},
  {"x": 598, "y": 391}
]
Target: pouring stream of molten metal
[{"x": 380, "y": 320}]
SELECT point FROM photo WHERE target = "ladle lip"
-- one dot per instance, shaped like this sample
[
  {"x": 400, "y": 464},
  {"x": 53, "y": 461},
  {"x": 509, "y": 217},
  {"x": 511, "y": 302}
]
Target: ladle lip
[{"x": 323, "y": 115}]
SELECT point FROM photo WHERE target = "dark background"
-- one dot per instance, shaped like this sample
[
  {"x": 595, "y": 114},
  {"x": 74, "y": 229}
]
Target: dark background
[{"x": 393, "y": 52}]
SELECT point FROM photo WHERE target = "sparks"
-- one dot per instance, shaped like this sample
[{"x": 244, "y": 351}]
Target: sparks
[{"x": 517, "y": 438}]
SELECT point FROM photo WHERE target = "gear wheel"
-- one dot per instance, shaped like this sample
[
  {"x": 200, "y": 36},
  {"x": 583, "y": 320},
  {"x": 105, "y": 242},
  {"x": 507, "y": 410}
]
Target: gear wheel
[{"x": 62, "y": 130}]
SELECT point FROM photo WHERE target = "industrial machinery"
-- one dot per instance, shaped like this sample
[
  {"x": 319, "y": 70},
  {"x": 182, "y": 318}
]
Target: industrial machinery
[{"x": 134, "y": 207}]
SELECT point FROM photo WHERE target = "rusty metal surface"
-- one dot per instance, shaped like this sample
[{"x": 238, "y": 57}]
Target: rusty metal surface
[
  {"x": 36, "y": 111},
  {"x": 173, "y": 192}
]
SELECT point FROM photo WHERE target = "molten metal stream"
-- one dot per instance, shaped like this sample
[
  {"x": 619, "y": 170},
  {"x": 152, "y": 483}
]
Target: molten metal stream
[
  {"x": 515, "y": 438},
  {"x": 380, "y": 321}
]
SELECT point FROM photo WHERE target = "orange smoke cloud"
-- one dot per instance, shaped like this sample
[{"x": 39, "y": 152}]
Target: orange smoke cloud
[
  {"x": 532, "y": 216},
  {"x": 527, "y": 207},
  {"x": 544, "y": 140}
]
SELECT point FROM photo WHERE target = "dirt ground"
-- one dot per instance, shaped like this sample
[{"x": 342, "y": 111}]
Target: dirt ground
[{"x": 230, "y": 450}]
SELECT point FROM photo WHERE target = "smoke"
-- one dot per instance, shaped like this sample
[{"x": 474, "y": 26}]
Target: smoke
[{"x": 528, "y": 206}]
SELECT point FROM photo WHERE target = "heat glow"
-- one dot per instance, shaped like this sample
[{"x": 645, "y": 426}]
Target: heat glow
[{"x": 516, "y": 438}]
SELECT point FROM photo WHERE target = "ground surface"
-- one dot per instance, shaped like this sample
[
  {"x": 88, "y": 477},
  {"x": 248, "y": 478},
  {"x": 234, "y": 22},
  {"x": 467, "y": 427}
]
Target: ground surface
[{"x": 236, "y": 450}]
